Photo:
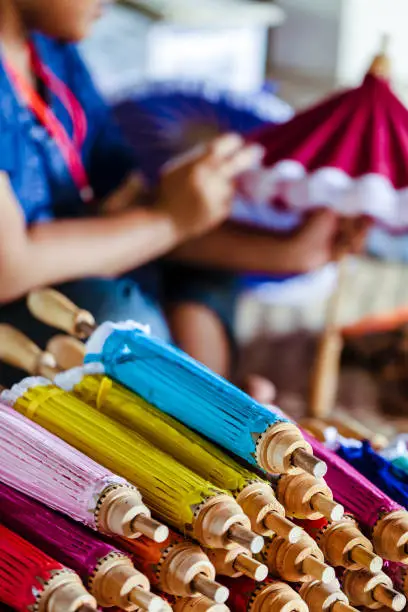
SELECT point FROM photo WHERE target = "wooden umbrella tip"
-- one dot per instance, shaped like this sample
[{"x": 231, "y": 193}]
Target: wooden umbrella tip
[
  {"x": 246, "y": 538},
  {"x": 389, "y": 597},
  {"x": 327, "y": 507},
  {"x": 318, "y": 570},
  {"x": 385, "y": 43},
  {"x": 375, "y": 565},
  {"x": 150, "y": 528},
  {"x": 381, "y": 64},
  {"x": 145, "y": 600},
  {"x": 209, "y": 588},
  {"x": 251, "y": 567},
  {"x": 304, "y": 460},
  {"x": 399, "y": 602}
]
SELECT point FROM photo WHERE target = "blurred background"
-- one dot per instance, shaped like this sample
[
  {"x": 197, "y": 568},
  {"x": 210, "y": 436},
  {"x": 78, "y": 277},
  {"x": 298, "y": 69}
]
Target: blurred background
[{"x": 297, "y": 51}]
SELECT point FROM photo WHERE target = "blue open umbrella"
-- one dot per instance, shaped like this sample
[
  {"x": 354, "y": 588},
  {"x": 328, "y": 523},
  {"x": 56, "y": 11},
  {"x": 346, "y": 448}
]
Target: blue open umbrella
[{"x": 162, "y": 121}]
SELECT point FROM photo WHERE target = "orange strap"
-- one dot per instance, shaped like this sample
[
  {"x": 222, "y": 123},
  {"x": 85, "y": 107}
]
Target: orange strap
[{"x": 70, "y": 149}]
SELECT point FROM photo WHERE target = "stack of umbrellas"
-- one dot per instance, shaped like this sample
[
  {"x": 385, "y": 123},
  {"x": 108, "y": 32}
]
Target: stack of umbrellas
[
  {"x": 105, "y": 470},
  {"x": 140, "y": 480}
]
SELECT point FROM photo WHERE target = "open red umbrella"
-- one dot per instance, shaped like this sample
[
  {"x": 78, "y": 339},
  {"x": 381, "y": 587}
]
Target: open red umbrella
[{"x": 350, "y": 154}]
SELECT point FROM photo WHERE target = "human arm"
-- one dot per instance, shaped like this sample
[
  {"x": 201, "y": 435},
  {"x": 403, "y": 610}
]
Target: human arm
[
  {"x": 50, "y": 253},
  {"x": 194, "y": 197},
  {"x": 240, "y": 249}
]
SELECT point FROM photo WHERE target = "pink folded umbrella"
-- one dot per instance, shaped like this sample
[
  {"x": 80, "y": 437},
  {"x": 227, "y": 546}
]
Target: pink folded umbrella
[{"x": 42, "y": 466}]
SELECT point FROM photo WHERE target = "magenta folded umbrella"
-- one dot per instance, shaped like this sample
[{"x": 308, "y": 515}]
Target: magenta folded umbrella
[
  {"x": 107, "y": 572},
  {"x": 386, "y": 520}
]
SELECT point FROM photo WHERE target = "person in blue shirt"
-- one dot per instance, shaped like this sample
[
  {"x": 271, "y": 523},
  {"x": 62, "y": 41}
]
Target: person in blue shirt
[{"x": 74, "y": 213}]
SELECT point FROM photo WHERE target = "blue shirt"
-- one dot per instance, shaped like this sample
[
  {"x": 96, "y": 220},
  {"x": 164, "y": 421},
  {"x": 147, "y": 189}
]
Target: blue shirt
[{"x": 37, "y": 171}]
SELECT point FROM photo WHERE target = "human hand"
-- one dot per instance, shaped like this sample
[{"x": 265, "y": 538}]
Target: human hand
[
  {"x": 313, "y": 245},
  {"x": 325, "y": 237},
  {"x": 132, "y": 192},
  {"x": 197, "y": 189},
  {"x": 351, "y": 236}
]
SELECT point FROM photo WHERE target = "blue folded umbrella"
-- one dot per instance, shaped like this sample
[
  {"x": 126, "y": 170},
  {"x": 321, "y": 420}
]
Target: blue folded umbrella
[{"x": 381, "y": 472}]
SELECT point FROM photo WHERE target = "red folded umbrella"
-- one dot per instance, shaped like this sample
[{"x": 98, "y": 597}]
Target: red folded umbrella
[{"x": 349, "y": 153}]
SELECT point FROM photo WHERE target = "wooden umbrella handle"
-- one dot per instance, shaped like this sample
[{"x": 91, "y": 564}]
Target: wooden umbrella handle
[
  {"x": 20, "y": 352},
  {"x": 325, "y": 378},
  {"x": 326, "y": 369},
  {"x": 68, "y": 352},
  {"x": 58, "y": 311},
  {"x": 316, "y": 427},
  {"x": 351, "y": 428}
]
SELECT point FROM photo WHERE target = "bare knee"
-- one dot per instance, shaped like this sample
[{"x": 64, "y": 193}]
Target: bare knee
[{"x": 199, "y": 332}]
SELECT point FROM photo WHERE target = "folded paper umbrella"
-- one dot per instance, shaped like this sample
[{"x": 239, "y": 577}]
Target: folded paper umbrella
[
  {"x": 349, "y": 154},
  {"x": 47, "y": 469},
  {"x": 381, "y": 472},
  {"x": 181, "y": 497},
  {"x": 386, "y": 520},
  {"x": 180, "y": 568},
  {"x": 372, "y": 590},
  {"x": 174, "y": 493},
  {"x": 31, "y": 580},
  {"x": 44, "y": 467},
  {"x": 252, "y": 493},
  {"x": 173, "y": 382},
  {"x": 107, "y": 572},
  {"x": 343, "y": 544}
]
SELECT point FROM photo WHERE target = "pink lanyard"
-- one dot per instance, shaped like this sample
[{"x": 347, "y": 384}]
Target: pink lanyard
[{"x": 70, "y": 149}]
